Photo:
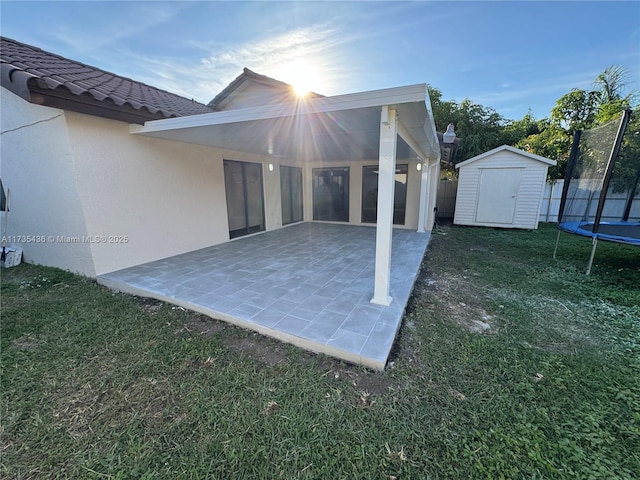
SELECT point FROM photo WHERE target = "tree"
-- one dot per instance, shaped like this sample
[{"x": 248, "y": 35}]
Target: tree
[
  {"x": 611, "y": 84},
  {"x": 479, "y": 127},
  {"x": 551, "y": 142},
  {"x": 515, "y": 131},
  {"x": 575, "y": 110},
  {"x": 443, "y": 111},
  {"x": 582, "y": 110}
]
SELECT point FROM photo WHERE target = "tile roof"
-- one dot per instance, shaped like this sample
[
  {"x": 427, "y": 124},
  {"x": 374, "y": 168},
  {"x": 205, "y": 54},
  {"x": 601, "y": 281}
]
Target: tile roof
[{"x": 45, "y": 78}]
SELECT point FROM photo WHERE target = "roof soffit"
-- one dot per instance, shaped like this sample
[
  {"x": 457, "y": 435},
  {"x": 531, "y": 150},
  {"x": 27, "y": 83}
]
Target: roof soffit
[{"x": 329, "y": 127}]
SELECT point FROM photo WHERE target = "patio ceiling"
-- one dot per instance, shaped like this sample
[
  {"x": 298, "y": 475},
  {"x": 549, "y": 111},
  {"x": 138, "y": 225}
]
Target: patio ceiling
[{"x": 341, "y": 127}]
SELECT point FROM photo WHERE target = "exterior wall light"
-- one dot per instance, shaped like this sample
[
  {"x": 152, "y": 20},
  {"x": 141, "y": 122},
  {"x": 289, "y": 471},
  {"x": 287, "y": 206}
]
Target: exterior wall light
[
  {"x": 419, "y": 166},
  {"x": 271, "y": 167}
]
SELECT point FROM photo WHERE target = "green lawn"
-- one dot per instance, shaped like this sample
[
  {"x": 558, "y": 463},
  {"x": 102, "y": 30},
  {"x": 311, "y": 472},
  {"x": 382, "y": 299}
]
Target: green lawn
[{"x": 509, "y": 364}]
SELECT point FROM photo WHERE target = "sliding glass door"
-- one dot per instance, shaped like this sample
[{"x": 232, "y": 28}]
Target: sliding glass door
[
  {"x": 331, "y": 194},
  {"x": 245, "y": 201},
  {"x": 291, "y": 194},
  {"x": 370, "y": 194}
]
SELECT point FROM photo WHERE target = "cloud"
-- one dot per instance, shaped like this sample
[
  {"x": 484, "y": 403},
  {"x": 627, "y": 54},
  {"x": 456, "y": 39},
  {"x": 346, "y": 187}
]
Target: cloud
[
  {"x": 88, "y": 35},
  {"x": 204, "y": 78}
]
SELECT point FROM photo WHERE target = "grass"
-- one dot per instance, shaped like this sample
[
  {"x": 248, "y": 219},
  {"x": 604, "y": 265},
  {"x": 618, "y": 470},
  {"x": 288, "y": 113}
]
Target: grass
[{"x": 509, "y": 365}]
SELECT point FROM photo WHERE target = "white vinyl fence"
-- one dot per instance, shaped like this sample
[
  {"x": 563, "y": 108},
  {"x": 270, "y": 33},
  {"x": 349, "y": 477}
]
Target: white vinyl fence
[
  {"x": 613, "y": 208},
  {"x": 550, "y": 205}
]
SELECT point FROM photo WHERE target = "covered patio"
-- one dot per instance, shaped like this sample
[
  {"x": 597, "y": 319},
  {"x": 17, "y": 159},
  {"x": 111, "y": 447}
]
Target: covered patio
[
  {"x": 341, "y": 287},
  {"x": 309, "y": 284},
  {"x": 381, "y": 126}
]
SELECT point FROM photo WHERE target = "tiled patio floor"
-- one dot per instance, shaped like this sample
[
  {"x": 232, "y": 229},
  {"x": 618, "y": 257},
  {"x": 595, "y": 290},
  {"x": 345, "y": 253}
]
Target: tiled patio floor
[{"x": 308, "y": 284}]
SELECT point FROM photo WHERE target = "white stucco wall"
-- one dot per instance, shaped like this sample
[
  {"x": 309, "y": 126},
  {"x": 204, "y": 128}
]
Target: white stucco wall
[
  {"x": 165, "y": 197},
  {"x": 122, "y": 199},
  {"x": 529, "y": 191},
  {"x": 45, "y": 217}
]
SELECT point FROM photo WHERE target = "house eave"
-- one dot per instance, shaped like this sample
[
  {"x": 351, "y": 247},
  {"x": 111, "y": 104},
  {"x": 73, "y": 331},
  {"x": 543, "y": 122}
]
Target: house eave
[{"x": 86, "y": 104}]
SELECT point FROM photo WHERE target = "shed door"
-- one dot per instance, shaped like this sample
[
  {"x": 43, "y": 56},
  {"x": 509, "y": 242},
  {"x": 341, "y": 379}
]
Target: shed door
[{"x": 498, "y": 194}]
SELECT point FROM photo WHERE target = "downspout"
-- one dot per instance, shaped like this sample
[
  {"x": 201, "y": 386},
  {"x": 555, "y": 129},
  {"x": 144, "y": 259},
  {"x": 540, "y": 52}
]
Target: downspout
[
  {"x": 426, "y": 168},
  {"x": 424, "y": 195}
]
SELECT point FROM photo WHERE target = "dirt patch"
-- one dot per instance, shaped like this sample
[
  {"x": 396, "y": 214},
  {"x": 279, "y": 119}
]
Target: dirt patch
[
  {"x": 452, "y": 292},
  {"x": 474, "y": 319},
  {"x": 406, "y": 349},
  {"x": 150, "y": 305},
  {"x": 203, "y": 325},
  {"x": 368, "y": 382},
  {"x": 259, "y": 349}
]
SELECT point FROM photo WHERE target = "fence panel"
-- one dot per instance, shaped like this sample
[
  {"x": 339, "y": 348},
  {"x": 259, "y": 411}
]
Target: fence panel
[{"x": 446, "y": 202}]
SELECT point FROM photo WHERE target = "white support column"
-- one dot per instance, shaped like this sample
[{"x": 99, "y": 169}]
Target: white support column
[
  {"x": 424, "y": 197},
  {"x": 386, "y": 187}
]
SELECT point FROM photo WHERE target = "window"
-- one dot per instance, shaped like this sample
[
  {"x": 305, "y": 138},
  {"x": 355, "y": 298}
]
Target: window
[
  {"x": 291, "y": 194},
  {"x": 370, "y": 194}
]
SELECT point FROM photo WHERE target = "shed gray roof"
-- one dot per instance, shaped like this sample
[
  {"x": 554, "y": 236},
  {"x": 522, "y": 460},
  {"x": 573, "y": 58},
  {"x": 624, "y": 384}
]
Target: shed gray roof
[
  {"x": 48, "y": 79},
  {"x": 507, "y": 148}
]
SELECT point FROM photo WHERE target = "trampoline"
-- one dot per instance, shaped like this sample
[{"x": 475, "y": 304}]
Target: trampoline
[
  {"x": 601, "y": 195},
  {"x": 620, "y": 232}
]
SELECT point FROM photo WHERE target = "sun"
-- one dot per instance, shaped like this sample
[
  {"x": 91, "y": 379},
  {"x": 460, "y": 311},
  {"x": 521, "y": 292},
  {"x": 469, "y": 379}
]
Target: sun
[
  {"x": 301, "y": 88},
  {"x": 303, "y": 76}
]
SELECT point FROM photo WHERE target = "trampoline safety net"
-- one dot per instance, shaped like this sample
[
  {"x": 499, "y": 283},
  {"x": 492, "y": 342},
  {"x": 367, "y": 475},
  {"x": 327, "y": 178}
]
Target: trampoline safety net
[{"x": 601, "y": 192}]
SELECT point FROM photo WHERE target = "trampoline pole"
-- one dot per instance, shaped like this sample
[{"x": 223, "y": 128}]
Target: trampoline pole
[
  {"x": 593, "y": 253},
  {"x": 555, "y": 250}
]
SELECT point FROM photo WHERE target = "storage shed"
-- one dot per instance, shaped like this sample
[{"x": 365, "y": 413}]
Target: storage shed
[{"x": 501, "y": 188}]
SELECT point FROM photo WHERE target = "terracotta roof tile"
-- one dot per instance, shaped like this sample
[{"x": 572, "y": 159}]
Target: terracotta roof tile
[{"x": 32, "y": 66}]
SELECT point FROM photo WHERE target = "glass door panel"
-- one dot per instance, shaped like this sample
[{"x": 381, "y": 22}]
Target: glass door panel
[
  {"x": 291, "y": 194},
  {"x": 331, "y": 194},
  {"x": 370, "y": 194},
  {"x": 245, "y": 201}
]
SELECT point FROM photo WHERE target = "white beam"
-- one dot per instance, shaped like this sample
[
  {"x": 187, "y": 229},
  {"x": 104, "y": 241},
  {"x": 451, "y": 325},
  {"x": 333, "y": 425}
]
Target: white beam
[
  {"x": 351, "y": 101},
  {"x": 386, "y": 188},
  {"x": 406, "y": 136}
]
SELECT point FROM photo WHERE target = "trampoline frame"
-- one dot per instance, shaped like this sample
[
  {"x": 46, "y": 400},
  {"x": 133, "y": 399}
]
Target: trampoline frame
[{"x": 594, "y": 233}]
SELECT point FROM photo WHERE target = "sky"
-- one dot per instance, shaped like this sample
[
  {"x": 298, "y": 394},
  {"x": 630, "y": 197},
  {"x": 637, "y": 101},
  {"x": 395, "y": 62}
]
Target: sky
[{"x": 513, "y": 56}]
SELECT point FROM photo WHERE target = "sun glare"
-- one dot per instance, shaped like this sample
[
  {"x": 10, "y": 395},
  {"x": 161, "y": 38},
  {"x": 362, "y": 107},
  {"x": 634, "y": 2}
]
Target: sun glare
[
  {"x": 303, "y": 76},
  {"x": 301, "y": 88}
]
